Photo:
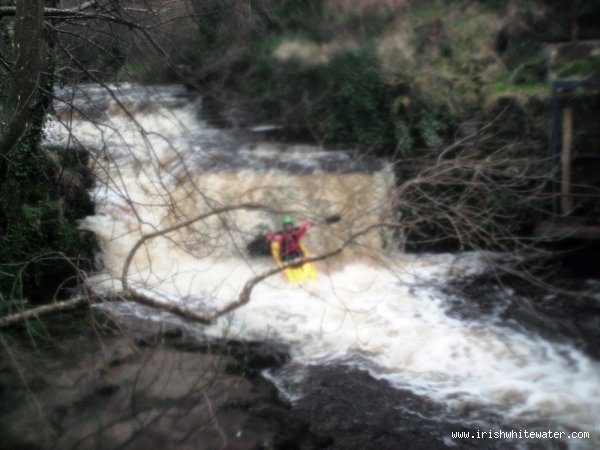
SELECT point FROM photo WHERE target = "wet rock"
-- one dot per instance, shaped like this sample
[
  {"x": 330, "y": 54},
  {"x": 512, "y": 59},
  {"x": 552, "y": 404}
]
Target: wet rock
[
  {"x": 564, "y": 311},
  {"x": 110, "y": 393},
  {"x": 357, "y": 411},
  {"x": 259, "y": 246},
  {"x": 257, "y": 356}
]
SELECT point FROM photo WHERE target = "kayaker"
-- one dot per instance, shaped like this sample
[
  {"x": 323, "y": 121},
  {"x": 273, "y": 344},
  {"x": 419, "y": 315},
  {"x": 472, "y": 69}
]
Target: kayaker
[{"x": 287, "y": 241}]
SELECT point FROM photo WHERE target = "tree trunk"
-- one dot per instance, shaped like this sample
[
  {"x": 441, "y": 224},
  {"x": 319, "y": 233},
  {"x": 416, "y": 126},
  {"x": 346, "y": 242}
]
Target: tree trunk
[{"x": 21, "y": 99}]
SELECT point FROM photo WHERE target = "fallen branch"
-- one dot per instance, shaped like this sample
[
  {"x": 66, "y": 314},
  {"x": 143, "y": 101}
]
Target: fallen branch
[
  {"x": 44, "y": 310},
  {"x": 88, "y": 299},
  {"x": 132, "y": 295}
]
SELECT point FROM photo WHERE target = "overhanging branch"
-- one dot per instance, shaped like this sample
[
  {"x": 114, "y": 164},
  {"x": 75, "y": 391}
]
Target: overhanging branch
[
  {"x": 79, "y": 13},
  {"x": 187, "y": 223}
]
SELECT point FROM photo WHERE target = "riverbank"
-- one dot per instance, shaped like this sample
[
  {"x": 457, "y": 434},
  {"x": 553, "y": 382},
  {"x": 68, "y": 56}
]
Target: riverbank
[{"x": 142, "y": 387}]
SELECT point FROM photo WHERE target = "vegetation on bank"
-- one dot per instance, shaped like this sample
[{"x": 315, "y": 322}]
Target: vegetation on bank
[
  {"x": 395, "y": 77},
  {"x": 405, "y": 80},
  {"x": 42, "y": 195},
  {"x": 42, "y": 191}
]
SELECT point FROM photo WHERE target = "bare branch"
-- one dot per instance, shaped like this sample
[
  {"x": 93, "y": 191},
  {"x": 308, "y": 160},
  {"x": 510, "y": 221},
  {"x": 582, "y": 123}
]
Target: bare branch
[
  {"x": 44, "y": 310},
  {"x": 73, "y": 14},
  {"x": 147, "y": 237}
]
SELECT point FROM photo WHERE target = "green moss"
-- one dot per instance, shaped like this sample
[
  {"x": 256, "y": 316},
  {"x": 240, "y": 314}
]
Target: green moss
[
  {"x": 521, "y": 92},
  {"x": 38, "y": 210},
  {"x": 578, "y": 68},
  {"x": 521, "y": 83}
]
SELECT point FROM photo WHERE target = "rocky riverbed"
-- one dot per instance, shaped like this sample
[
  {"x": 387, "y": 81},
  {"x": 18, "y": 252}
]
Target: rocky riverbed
[
  {"x": 140, "y": 387},
  {"x": 558, "y": 301}
]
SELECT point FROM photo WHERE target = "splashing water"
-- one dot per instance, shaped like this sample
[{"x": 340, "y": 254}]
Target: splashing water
[{"x": 162, "y": 164}]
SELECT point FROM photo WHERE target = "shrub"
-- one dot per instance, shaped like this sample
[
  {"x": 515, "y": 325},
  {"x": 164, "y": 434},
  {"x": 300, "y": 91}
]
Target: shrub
[
  {"x": 38, "y": 210},
  {"x": 356, "y": 108}
]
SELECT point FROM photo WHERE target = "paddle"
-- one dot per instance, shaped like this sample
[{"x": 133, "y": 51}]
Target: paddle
[{"x": 335, "y": 218}]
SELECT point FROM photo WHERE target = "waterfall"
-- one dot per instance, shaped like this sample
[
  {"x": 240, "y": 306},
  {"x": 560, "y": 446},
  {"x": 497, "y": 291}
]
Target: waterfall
[{"x": 161, "y": 164}]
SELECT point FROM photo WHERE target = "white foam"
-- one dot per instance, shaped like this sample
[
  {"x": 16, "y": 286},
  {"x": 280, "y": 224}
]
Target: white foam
[{"x": 390, "y": 321}]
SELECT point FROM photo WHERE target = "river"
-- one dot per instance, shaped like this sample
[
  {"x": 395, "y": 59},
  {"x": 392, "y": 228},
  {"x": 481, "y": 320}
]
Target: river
[{"x": 378, "y": 318}]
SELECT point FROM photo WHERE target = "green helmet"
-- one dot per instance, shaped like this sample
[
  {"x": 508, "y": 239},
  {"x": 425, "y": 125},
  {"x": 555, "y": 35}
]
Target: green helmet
[{"x": 287, "y": 220}]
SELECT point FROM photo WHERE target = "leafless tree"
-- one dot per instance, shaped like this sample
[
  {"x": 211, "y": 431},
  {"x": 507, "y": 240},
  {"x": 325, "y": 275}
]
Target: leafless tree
[{"x": 471, "y": 193}]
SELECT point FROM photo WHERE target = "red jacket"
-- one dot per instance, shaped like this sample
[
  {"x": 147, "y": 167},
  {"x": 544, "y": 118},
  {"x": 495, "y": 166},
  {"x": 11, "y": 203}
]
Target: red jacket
[{"x": 289, "y": 242}]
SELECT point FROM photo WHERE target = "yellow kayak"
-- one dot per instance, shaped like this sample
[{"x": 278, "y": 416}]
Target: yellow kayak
[{"x": 299, "y": 273}]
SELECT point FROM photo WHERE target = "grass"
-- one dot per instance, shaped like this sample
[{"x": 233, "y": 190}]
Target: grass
[
  {"x": 521, "y": 92},
  {"x": 578, "y": 68}
]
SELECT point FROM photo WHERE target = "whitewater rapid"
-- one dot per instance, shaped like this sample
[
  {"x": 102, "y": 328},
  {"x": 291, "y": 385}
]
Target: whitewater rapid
[{"x": 387, "y": 316}]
